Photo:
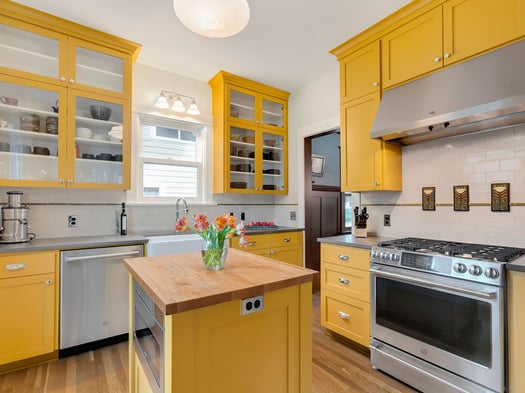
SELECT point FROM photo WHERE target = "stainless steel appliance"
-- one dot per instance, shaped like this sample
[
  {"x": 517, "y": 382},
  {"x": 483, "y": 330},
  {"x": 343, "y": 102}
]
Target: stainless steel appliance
[
  {"x": 438, "y": 314},
  {"x": 148, "y": 336},
  {"x": 94, "y": 292},
  {"x": 14, "y": 227}
]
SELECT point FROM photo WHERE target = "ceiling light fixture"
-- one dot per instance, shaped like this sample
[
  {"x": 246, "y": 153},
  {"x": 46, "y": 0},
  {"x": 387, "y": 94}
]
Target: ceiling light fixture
[
  {"x": 213, "y": 18},
  {"x": 169, "y": 99}
]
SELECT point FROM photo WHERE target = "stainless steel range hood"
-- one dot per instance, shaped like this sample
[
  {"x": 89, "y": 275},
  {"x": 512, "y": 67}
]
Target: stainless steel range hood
[{"x": 482, "y": 94}]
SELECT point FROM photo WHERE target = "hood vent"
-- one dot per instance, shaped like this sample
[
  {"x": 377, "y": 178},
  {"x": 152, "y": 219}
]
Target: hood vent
[{"x": 482, "y": 94}]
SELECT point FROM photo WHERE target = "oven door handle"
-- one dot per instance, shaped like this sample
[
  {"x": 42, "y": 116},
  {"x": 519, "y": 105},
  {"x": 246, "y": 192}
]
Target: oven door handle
[{"x": 413, "y": 280}]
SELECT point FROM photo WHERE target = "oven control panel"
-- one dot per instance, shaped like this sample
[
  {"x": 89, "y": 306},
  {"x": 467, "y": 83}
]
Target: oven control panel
[{"x": 464, "y": 268}]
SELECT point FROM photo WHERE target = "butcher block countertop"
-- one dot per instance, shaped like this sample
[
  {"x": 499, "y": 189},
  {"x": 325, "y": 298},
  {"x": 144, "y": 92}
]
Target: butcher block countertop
[{"x": 180, "y": 282}]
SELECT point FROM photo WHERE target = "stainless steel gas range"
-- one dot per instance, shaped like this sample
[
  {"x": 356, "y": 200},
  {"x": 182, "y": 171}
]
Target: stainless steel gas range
[{"x": 438, "y": 314}]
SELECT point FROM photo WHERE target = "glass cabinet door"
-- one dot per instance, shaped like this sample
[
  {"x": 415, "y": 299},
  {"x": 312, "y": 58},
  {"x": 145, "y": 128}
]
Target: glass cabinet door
[
  {"x": 242, "y": 105},
  {"x": 98, "y": 141},
  {"x": 99, "y": 68},
  {"x": 273, "y": 113},
  {"x": 34, "y": 51},
  {"x": 31, "y": 132},
  {"x": 273, "y": 168},
  {"x": 242, "y": 159}
]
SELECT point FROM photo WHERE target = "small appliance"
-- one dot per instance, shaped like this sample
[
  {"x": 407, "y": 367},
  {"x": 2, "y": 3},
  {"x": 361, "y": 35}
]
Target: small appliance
[{"x": 13, "y": 215}]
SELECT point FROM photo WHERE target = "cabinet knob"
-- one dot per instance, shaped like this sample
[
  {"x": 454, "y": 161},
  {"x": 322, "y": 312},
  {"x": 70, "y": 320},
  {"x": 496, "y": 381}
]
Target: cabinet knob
[
  {"x": 344, "y": 281},
  {"x": 287, "y": 240},
  {"x": 70, "y": 181},
  {"x": 344, "y": 315},
  {"x": 343, "y": 257},
  {"x": 252, "y": 244},
  {"x": 61, "y": 181},
  {"x": 437, "y": 59},
  {"x": 63, "y": 78},
  {"x": 447, "y": 55},
  {"x": 375, "y": 84},
  {"x": 49, "y": 282},
  {"x": 71, "y": 81}
]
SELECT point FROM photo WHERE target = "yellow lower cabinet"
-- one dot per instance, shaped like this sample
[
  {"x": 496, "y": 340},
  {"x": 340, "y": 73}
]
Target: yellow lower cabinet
[
  {"x": 282, "y": 246},
  {"x": 345, "y": 291},
  {"x": 140, "y": 381},
  {"x": 216, "y": 349},
  {"x": 28, "y": 309},
  {"x": 516, "y": 345}
]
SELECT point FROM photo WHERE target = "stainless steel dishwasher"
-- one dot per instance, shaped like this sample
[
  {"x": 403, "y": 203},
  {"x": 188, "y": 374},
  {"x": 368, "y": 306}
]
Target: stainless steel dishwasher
[{"x": 94, "y": 292}]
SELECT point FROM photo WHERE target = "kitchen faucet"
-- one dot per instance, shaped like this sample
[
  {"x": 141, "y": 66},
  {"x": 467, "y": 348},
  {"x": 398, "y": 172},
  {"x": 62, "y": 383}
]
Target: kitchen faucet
[{"x": 177, "y": 206}]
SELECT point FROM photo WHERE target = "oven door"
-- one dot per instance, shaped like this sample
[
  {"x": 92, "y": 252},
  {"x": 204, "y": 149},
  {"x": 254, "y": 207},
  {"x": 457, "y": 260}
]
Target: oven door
[{"x": 454, "y": 324}]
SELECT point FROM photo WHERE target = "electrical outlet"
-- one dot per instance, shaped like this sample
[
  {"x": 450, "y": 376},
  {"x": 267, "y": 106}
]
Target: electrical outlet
[
  {"x": 72, "y": 221},
  {"x": 293, "y": 216},
  {"x": 386, "y": 220},
  {"x": 252, "y": 304}
]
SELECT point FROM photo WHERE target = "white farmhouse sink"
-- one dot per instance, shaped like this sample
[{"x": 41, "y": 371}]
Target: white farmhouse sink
[{"x": 174, "y": 244}]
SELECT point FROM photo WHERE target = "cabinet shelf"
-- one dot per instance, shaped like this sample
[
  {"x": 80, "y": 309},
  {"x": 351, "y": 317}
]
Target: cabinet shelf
[
  {"x": 28, "y": 52},
  {"x": 20, "y": 109},
  {"x": 13, "y": 133},
  {"x": 99, "y": 71}
]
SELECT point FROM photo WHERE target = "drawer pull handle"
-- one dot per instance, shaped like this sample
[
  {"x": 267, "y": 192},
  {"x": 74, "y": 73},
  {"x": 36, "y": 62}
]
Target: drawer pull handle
[
  {"x": 343, "y": 257},
  {"x": 15, "y": 266},
  {"x": 287, "y": 239},
  {"x": 345, "y": 281},
  {"x": 344, "y": 315},
  {"x": 252, "y": 243}
]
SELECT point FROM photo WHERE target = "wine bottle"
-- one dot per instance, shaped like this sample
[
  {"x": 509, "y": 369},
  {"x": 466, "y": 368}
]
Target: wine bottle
[{"x": 123, "y": 220}]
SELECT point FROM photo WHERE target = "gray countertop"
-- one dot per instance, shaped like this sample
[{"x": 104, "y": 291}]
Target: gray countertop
[
  {"x": 72, "y": 242},
  {"x": 518, "y": 265},
  {"x": 352, "y": 241}
]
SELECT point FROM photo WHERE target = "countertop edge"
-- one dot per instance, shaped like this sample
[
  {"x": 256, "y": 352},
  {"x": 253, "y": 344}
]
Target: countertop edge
[
  {"x": 516, "y": 267},
  {"x": 352, "y": 241}
]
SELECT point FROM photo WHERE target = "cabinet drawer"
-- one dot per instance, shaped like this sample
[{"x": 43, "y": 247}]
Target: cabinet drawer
[
  {"x": 345, "y": 316},
  {"x": 285, "y": 239},
  {"x": 358, "y": 258},
  {"x": 346, "y": 281},
  {"x": 26, "y": 264},
  {"x": 256, "y": 242}
]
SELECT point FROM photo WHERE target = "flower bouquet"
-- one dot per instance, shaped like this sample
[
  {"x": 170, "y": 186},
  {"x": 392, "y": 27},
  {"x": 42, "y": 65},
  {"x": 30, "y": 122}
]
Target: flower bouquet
[{"x": 214, "y": 235}]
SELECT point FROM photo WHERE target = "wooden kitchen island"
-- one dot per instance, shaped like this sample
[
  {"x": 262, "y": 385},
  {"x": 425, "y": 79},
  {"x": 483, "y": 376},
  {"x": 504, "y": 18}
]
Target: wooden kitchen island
[{"x": 209, "y": 347}]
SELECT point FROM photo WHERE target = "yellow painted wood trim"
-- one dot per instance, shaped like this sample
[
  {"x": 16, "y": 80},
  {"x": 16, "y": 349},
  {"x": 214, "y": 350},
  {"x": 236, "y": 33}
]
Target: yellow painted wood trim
[
  {"x": 52, "y": 22},
  {"x": 226, "y": 77},
  {"x": 305, "y": 330}
]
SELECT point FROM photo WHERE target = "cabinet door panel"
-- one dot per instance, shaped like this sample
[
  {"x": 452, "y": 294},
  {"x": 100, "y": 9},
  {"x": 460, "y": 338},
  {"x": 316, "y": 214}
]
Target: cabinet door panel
[
  {"x": 473, "y": 26},
  {"x": 28, "y": 316},
  {"x": 360, "y": 72},
  {"x": 358, "y": 151},
  {"x": 413, "y": 49}
]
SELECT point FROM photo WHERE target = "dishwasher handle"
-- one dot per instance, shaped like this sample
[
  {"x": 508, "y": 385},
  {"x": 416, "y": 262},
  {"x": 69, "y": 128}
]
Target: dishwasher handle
[{"x": 102, "y": 256}]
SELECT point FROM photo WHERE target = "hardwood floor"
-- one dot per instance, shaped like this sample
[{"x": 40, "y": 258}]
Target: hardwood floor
[{"x": 336, "y": 369}]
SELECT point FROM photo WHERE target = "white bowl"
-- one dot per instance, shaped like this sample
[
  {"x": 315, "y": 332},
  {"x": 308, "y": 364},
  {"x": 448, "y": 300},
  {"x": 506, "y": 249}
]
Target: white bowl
[
  {"x": 83, "y": 132},
  {"x": 99, "y": 137}
]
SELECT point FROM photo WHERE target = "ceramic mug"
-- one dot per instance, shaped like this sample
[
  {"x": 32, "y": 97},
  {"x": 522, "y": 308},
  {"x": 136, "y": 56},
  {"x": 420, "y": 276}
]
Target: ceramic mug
[{"x": 9, "y": 101}]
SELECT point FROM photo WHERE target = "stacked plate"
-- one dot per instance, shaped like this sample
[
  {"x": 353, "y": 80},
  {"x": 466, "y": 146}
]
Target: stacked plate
[{"x": 115, "y": 134}]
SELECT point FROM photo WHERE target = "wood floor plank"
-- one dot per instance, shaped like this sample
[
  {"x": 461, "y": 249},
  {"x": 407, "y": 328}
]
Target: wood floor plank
[{"x": 336, "y": 368}]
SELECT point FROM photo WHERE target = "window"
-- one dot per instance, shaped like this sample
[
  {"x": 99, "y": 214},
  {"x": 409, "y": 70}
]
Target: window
[{"x": 170, "y": 156}]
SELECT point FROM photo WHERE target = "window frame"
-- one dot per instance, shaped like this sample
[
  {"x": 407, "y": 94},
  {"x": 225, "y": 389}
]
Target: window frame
[{"x": 200, "y": 130}]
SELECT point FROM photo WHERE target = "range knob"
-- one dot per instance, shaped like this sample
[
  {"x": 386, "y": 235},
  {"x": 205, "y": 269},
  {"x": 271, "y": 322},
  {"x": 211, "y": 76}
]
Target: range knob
[
  {"x": 460, "y": 267},
  {"x": 475, "y": 270},
  {"x": 491, "y": 272}
]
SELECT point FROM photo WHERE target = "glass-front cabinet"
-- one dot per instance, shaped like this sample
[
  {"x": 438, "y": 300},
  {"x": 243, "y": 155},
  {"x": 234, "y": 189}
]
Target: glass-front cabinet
[
  {"x": 250, "y": 124},
  {"x": 80, "y": 145},
  {"x": 65, "y": 93}
]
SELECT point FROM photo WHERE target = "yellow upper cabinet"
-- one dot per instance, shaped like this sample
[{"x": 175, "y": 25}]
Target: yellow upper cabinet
[
  {"x": 57, "y": 75},
  {"x": 474, "y": 26},
  {"x": 250, "y": 123},
  {"x": 366, "y": 164},
  {"x": 413, "y": 49},
  {"x": 360, "y": 72},
  {"x": 452, "y": 31}
]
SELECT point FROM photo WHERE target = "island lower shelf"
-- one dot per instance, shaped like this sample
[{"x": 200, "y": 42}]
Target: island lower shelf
[{"x": 215, "y": 347}]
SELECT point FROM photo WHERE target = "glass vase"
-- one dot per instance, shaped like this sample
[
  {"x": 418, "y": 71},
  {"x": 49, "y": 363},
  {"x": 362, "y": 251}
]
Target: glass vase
[{"x": 213, "y": 257}]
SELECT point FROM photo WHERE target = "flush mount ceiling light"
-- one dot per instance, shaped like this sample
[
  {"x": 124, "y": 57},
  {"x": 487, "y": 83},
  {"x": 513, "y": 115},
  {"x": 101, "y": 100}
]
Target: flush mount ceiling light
[
  {"x": 169, "y": 99},
  {"x": 213, "y": 18}
]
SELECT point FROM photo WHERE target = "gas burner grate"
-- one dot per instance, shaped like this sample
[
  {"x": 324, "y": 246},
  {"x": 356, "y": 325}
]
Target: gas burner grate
[{"x": 457, "y": 249}]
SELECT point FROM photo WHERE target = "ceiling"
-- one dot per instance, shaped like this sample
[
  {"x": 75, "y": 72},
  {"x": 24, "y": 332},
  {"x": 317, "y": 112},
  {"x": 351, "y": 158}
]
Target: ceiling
[{"x": 286, "y": 43}]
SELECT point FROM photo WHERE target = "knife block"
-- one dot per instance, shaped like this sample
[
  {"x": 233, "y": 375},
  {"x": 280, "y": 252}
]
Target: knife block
[{"x": 360, "y": 232}]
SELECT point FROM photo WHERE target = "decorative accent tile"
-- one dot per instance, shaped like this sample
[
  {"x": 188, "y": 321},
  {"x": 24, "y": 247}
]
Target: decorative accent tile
[
  {"x": 428, "y": 198},
  {"x": 461, "y": 198},
  {"x": 500, "y": 197}
]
